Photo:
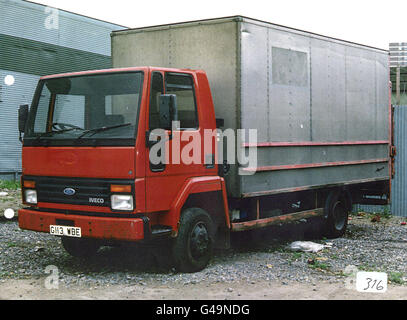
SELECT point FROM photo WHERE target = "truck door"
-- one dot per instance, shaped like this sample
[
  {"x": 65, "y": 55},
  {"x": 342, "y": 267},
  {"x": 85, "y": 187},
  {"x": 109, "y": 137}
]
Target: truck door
[{"x": 164, "y": 180}]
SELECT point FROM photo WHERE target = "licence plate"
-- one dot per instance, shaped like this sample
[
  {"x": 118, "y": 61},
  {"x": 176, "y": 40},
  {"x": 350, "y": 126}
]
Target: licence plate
[{"x": 65, "y": 231}]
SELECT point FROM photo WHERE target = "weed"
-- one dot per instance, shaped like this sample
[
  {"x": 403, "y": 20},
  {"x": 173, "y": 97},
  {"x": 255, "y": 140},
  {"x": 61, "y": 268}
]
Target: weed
[
  {"x": 10, "y": 185},
  {"x": 368, "y": 268},
  {"x": 395, "y": 277},
  {"x": 319, "y": 265},
  {"x": 296, "y": 255}
]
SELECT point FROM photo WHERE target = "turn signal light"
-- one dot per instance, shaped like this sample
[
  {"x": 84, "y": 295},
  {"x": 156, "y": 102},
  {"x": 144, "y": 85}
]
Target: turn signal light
[
  {"x": 29, "y": 184},
  {"x": 120, "y": 188}
]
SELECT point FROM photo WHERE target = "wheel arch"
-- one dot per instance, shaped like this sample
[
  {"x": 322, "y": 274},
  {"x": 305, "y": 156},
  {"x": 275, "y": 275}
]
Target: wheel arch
[{"x": 208, "y": 193}]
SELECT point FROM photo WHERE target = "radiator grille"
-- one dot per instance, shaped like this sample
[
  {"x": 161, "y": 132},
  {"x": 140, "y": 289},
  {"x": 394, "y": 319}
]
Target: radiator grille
[{"x": 90, "y": 192}]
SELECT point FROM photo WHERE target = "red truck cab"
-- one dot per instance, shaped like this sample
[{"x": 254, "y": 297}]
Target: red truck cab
[{"x": 87, "y": 174}]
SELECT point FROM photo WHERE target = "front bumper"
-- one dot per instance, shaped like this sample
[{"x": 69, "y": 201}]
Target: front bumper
[{"x": 126, "y": 229}]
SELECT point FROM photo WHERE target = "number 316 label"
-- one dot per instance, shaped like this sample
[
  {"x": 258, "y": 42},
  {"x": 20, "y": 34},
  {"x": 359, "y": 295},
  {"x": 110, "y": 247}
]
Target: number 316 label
[{"x": 371, "y": 282}]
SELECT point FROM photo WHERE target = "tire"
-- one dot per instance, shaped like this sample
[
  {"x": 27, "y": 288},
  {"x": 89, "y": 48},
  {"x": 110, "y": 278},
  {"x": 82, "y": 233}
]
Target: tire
[
  {"x": 336, "y": 215},
  {"x": 192, "y": 249},
  {"x": 80, "y": 248},
  {"x": 314, "y": 230}
]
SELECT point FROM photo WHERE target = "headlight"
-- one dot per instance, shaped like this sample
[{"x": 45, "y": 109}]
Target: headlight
[
  {"x": 122, "y": 202},
  {"x": 30, "y": 196}
]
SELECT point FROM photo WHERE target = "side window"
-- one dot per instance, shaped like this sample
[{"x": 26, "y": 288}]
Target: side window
[
  {"x": 157, "y": 88},
  {"x": 182, "y": 86}
]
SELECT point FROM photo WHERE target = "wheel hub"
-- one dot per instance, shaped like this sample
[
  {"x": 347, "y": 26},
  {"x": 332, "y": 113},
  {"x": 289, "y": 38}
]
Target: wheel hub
[{"x": 199, "y": 240}]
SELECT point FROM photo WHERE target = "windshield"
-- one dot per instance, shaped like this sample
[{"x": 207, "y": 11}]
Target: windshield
[{"x": 101, "y": 107}]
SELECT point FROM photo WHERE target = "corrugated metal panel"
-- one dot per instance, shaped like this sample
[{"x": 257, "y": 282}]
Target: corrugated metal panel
[
  {"x": 398, "y": 206},
  {"x": 34, "y": 57},
  {"x": 29, "y": 20},
  {"x": 11, "y": 97},
  {"x": 399, "y": 186},
  {"x": 372, "y": 208}
]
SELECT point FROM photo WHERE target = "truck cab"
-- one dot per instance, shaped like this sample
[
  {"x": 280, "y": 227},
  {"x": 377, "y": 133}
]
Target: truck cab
[{"x": 87, "y": 174}]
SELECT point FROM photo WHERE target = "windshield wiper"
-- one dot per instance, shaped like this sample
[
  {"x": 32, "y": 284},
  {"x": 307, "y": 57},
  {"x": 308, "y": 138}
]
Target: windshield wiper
[
  {"x": 96, "y": 130},
  {"x": 51, "y": 133}
]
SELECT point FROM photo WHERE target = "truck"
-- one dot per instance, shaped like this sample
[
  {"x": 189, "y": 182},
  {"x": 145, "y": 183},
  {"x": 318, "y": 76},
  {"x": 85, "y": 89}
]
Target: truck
[{"x": 107, "y": 153}]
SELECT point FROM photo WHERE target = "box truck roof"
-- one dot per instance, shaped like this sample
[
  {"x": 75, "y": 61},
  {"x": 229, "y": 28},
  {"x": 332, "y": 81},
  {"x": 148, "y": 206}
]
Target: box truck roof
[{"x": 238, "y": 18}]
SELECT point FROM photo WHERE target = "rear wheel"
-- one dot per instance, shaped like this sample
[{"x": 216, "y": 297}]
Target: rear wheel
[
  {"x": 81, "y": 247},
  {"x": 336, "y": 214},
  {"x": 193, "y": 247}
]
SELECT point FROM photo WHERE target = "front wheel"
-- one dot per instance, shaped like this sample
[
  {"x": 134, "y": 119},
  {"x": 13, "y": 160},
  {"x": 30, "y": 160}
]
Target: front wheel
[
  {"x": 193, "y": 247},
  {"x": 80, "y": 248}
]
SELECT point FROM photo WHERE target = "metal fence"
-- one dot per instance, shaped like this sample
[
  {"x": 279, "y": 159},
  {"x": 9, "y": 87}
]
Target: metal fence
[
  {"x": 399, "y": 183},
  {"x": 398, "y": 206}
]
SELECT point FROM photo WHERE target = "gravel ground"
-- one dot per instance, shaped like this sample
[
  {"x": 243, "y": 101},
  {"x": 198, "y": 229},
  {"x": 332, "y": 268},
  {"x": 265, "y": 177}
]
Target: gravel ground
[{"x": 253, "y": 258}]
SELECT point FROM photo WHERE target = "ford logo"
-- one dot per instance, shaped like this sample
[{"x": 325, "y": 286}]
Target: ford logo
[{"x": 69, "y": 191}]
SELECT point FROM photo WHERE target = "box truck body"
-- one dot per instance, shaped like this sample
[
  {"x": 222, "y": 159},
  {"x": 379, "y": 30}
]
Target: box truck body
[{"x": 320, "y": 105}]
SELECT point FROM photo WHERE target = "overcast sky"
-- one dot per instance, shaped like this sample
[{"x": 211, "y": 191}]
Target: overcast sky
[{"x": 369, "y": 22}]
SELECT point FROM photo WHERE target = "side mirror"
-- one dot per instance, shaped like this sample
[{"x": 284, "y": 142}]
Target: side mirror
[
  {"x": 220, "y": 123},
  {"x": 168, "y": 110},
  {"x": 22, "y": 117}
]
